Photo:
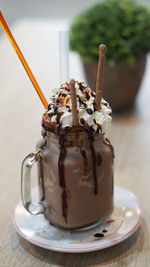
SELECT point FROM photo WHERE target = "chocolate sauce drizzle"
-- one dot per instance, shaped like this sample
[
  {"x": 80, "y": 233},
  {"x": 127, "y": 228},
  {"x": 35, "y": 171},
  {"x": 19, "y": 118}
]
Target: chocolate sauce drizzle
[
  {"x": 41, "y": 182},
  {"x": 62, "y": 156},
  {"x": 61, "y": 172},
  {"x": 91, "y": 139},
  {"x": 98, "y": 235},
  {"x": 99, "y": 159},
  {"x": 85, "y": 161},
  {"x": 64, "y": 205},
  {"x": 107, "y": 142}
]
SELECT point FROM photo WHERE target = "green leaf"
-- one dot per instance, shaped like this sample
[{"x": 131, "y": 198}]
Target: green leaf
[{"x": 123, "y": 25}]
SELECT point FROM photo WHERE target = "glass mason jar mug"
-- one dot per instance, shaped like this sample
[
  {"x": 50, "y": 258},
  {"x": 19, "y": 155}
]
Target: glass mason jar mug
[{"x": 75, "y": 174}]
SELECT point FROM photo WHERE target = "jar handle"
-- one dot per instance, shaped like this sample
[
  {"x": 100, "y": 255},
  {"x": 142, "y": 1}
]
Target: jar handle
[{"x": 27, "y": 164}]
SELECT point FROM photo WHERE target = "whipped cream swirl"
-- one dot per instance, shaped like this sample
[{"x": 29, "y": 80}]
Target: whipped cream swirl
[{"x": 59, "y": 111}]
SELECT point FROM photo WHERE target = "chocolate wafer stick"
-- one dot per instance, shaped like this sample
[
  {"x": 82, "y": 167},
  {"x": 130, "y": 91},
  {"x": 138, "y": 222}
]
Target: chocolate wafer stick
[
  {"x": 74, "y": 103},
  {"x": 100, "y": 72}
]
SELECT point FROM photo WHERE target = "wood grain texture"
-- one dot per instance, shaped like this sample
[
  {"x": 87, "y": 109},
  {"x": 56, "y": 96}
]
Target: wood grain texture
[{"x": 20, "y": 115}]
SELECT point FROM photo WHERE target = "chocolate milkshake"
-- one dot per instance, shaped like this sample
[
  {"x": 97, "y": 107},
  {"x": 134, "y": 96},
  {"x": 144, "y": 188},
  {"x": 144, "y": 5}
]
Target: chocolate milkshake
[{"x": 76, "y": 162}]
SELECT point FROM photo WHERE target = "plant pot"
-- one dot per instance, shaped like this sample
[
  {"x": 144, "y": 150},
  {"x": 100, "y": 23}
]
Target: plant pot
[{"x": 121, "y": 82}]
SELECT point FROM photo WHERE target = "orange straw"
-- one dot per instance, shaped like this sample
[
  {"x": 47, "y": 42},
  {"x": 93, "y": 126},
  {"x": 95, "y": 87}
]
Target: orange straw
[
  {"x": 22, "y": 59},
  {"x": 100, "y": 73}
]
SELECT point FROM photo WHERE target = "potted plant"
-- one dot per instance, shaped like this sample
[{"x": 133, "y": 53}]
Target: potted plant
[{"x": 124, "y": 26}]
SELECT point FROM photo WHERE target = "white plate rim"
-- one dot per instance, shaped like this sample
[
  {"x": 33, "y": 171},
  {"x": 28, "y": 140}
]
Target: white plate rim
[{"x": 99, "y": 245}]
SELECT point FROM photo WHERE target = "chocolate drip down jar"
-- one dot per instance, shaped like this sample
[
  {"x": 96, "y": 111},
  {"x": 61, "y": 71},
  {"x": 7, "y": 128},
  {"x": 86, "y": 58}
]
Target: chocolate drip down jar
[{"x": 75, "y": 173}]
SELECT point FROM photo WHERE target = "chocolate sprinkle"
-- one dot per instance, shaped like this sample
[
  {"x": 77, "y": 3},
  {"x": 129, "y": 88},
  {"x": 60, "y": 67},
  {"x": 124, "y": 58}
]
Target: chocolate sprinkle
[
  {"x": 87, "y": 96},
  {"x": 94, "y": 106},
  {"x": 51, "y": 114},
  {"x": 81, "y": 101},
  {"x": 92, "y": 93},
  {"x": 104, "y": 231},
  {"x": 82, "y": 88},
  {"x": 66, "y": 88},
  {"x": 55, "y": 109},
  {"x": 63, "y": 95},
  {"x": 59, "y": 117},
  {"x": 82, "y": 121},
  {"x": 49, "y": 106},
  {"x": 89, "y": 111},
  {"x": 67, "y": 106},
  {"x": 94, "y": 121}
]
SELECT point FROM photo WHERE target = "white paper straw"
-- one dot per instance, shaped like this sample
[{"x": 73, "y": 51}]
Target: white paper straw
[{"x": 64, "y": 56}]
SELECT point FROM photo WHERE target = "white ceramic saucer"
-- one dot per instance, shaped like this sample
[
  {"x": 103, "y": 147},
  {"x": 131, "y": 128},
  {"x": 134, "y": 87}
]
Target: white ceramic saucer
[{"x": 124, "y": 221}]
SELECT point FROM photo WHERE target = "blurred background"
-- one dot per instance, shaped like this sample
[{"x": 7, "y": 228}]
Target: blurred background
[
  {"x": 61, "y": 14},
  {"x": 15, "y": 9},
  {"x": 35, "y": 25}
]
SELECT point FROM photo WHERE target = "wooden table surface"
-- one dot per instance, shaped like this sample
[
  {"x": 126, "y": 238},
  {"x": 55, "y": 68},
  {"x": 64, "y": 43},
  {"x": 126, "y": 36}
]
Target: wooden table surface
[{"x": 20, "y": 115}]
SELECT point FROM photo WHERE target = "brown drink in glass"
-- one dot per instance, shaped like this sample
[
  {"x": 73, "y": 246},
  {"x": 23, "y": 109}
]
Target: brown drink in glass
[{"x": 75, "y": 164}]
